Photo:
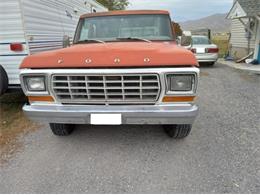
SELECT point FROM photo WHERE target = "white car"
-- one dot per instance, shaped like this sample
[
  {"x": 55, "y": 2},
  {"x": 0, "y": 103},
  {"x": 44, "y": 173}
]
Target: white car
[{"x": 204, "y": 50}]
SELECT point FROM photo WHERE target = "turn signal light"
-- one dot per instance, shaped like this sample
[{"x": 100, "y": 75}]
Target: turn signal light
[
  {"x": 40, "y": 99},
  {"x": 178, "y": 98},
  {"x": 16, "y": 47}
]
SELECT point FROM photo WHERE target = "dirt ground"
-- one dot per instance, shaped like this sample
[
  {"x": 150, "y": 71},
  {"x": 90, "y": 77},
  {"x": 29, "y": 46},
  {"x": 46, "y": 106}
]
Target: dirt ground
[{"x": 13, "y": 124}]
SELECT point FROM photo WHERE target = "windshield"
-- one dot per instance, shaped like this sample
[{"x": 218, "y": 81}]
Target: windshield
[
  {"x": 116, "y": 28},
  {"x": 201, "y": 41}
]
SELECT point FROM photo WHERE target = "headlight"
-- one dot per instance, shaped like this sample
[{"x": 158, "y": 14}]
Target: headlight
[
  {"x": 180, "y": 82},
  {"x": 35, "y": 83}
]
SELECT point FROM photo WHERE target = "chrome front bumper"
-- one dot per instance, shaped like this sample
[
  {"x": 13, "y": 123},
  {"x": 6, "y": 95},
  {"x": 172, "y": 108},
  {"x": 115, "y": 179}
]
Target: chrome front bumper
[{"x": 135, "y": 114}]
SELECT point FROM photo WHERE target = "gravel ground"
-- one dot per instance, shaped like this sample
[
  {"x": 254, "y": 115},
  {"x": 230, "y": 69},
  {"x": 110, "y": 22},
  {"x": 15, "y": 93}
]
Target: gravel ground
[{"x": 222, "y": 154}]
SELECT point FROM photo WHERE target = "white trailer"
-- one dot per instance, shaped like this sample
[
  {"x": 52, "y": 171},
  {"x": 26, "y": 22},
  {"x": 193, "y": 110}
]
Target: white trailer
[{"x": 31, "y": 26}]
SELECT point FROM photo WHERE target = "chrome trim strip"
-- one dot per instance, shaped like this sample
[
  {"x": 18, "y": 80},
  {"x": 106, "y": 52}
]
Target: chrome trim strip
[
  {"x": 194, "y": 85},
  {"x": 34, "y": 93}
]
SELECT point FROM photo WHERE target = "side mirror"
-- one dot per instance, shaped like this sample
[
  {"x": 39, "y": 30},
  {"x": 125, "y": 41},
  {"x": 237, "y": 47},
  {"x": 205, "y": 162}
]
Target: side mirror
[
  {"x": 66, "y": 41},
  {"x": 178, "y": 40},
  {"x": 186, "y": 40}
]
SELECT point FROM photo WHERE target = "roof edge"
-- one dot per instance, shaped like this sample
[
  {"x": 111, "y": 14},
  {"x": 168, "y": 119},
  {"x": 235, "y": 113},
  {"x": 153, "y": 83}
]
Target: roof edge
[
  {"x": 235, "y": 6},
  {"x": 125, "y": 12}
]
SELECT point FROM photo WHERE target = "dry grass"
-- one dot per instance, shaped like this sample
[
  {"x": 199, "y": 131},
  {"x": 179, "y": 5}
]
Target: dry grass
[
  {"x": 222, "y": 42},
  {"x": 13, "y": 124}
]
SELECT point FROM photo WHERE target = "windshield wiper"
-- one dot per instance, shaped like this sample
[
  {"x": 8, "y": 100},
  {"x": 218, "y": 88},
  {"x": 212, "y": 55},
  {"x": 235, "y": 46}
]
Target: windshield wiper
[
  {"x": 133, "y": 38},
  {"x": 90, "y": 41}
]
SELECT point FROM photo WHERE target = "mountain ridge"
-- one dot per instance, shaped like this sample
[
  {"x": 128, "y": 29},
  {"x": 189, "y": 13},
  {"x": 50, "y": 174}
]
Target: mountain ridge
[{"x": 216, "y": 22}]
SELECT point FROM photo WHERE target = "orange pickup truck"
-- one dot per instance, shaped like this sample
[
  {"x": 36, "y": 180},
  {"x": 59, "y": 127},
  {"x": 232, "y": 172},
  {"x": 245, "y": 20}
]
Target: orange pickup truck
[{"x": 124, "y": 67}]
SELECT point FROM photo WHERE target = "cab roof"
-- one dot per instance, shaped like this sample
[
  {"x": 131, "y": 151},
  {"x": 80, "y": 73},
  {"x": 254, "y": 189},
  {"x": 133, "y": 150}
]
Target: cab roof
[{"x": 125, "y": 12}]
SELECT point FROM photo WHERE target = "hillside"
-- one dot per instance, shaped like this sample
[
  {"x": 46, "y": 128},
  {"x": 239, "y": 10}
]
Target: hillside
[{"x": 216, "y": 22}]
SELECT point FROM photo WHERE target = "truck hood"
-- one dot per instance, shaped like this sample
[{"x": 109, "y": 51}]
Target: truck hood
[{"x": 113, "y": 55}]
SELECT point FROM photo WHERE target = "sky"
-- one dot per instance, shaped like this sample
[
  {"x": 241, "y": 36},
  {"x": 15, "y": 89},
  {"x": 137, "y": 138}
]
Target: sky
[{"x": 183, "y": 10}]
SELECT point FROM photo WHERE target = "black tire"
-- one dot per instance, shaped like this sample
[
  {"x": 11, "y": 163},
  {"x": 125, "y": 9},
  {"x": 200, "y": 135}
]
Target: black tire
[
  {"x": 3, "y": 81},
  {"x": 211, "y": 63},
  {"x": 177, "y": 131},
  {"x": 61, "y": 129}
]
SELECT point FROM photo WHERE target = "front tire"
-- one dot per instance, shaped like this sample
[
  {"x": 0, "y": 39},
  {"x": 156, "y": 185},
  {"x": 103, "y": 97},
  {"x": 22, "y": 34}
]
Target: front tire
[
  {"x": 177, "y": 131},
  {"x": 3, "y": 81},
  {"x": 62, "y": 129}
]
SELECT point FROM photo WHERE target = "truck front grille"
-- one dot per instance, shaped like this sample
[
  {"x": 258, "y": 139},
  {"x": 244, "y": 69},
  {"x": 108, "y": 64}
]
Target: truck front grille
[{"x": 106, "y": 89}]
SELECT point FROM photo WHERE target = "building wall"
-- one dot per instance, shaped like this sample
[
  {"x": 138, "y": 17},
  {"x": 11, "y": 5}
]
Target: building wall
[
  {"x": 239, "y": 41},
  {"x": 240, "y": 52}
]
